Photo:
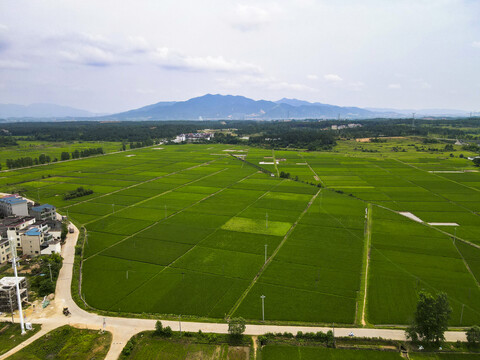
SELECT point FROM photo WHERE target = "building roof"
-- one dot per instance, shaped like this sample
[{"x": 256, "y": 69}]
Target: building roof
[
  {"x": 10, "y": 280},
  {"x": 33, "y": 232},
  {"x": 13, "y": 199},
  {"x": 44, "y": 206}
]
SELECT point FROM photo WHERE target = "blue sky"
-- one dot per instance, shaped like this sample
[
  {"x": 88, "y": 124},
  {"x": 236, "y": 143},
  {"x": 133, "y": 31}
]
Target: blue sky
[{"x": 109, "y": 56}]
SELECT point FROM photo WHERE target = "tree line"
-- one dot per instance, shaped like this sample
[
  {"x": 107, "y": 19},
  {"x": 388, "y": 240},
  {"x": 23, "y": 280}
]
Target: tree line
[
  {"x": 28, "y": 161},
  {"x": 77, "y": 154}
]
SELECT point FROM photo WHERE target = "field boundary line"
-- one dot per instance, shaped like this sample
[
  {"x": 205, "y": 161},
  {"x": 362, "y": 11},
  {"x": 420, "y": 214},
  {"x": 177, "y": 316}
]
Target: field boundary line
[
  {"x": 166, "y": 218},
  {"x": 140, "y": 183},
  {"x": 366, "y": 263},
  {"x": 171, "y": 215},
  {"x": 311, "y": 169},
  {"x": 466, "y": 263},
  {"x": 269, "y": 260},
  {"x": 275, "y": 162},
  {"x": 156, "y": 196}
]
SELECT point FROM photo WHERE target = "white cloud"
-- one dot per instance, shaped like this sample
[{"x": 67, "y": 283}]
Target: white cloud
[
  {"x": 333, "y": 78},
  {"x": 422, "y": 84},
  {"x": 95, "y": 50},
  {"x": 355, "y": 86},
  {"x": 476, "y": 44},
  {"x": 137, "y": 44},
  {"x": 263, "y": 82},
  {"x": 174, "y": 60},
  {"x": 394, "y": 86},
  {"x": 250, "y": 17},
  {"x": 312, "y": 77},
  {"x": 13, "y": 65}
]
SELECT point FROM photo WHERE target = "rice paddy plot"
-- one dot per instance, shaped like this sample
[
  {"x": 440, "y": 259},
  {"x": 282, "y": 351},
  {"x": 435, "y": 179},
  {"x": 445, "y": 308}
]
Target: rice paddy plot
[{"x": 418, "y": 258}]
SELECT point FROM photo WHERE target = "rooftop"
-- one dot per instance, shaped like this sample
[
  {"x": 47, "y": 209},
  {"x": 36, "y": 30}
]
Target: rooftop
[
  {"x": 10, "y": 280},
  {"x": 42, "y": 207},
  {"x": 13, "y": 199},
  {"x": 33, "y": 232}
]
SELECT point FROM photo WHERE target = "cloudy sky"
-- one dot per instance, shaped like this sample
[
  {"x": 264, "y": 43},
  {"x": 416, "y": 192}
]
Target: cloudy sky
[{"x": 114, "y": 55}]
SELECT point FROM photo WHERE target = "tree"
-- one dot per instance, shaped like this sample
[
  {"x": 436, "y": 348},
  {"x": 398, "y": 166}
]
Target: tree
[
  {"x": 236, "y": 327},
  {"x": 162, "y": 331},
  {"x": 65, "y": 156},
  {"x": 158, "y": 327},
  {"x": 473, "y": 335},
  {"x": 476, "y": 161},
  {"x": 431, "y": 318}
]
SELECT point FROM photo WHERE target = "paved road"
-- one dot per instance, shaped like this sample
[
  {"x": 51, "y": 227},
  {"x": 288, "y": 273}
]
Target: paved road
[{"x": 124, "y": 328}]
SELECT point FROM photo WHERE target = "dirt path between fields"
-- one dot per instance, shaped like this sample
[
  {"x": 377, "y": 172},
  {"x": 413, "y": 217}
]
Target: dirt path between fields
[{"x": 368, "y": 240}]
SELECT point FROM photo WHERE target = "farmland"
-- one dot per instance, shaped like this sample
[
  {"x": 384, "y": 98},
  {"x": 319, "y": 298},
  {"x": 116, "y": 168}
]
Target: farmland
[
  {"x": 186, "y": 229},
  {"x": 54, "y": 150}
]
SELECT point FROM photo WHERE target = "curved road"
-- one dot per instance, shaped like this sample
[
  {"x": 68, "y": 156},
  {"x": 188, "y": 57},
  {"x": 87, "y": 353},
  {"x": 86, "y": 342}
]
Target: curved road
[{"x": 124, "y": 328}]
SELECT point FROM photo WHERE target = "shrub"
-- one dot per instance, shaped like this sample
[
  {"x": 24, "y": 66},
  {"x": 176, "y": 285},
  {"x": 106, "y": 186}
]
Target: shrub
[
  {"x": 473, "y": 335},
  {"x": 263, "y": 340},
  {"x": 236, "y": 327}
]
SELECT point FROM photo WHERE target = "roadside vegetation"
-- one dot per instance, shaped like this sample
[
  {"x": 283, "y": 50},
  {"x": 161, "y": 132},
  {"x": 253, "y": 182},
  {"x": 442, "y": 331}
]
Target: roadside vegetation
[
  {"x": 67, "y": 343},
  {"x": 10, "y": 335}
]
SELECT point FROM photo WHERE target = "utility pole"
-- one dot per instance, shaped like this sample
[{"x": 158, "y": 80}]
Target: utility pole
[
  {"x": 266, "y": 253},
  {"x": 113, "y": 208},
  {"x": 461, "y": 315},
  {"x": 263, "y": 307},
  {"x": 180, "y": 323},
  {"x": 127, "y": 274},
  {"x": 50, "y": 268},
  {"x": 17, "y": 287}
]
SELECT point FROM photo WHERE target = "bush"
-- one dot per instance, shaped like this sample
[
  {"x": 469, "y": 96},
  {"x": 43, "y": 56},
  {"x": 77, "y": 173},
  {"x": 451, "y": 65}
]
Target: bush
[
  {"x": 236, "y": 327},
  {"x": 212, "y": 338},
  {"x": 263, "y": 340},
  {"x": 473, "y": 335},
  {"x": 158, "y": 327},
  {"x": 127, "y": 350},
  {"x": 162, "y": 331}
]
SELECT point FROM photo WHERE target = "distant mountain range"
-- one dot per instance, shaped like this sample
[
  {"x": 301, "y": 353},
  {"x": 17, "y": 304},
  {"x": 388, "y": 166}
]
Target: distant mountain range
[
  {"x": 222, "y": 107},
  {"x": 42, "y": 111}
]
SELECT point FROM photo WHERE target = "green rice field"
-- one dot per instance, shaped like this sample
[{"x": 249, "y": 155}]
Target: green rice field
[{"x": 186, "y": 229}]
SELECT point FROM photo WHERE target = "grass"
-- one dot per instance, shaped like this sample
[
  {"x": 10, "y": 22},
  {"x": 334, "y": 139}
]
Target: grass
[
  {"x": 280, "y": 352},
  {"x": 67, "y": 343},
  {"x": 275, "y": 228},
  {"x": 10, "y": 335},
  {"x": 147, "y": 345}
]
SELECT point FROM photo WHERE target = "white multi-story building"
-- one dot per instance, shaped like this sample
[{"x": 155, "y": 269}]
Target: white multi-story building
[
  {"x": 8, "y": 293},
  {"x": 13, "y": 205}
]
